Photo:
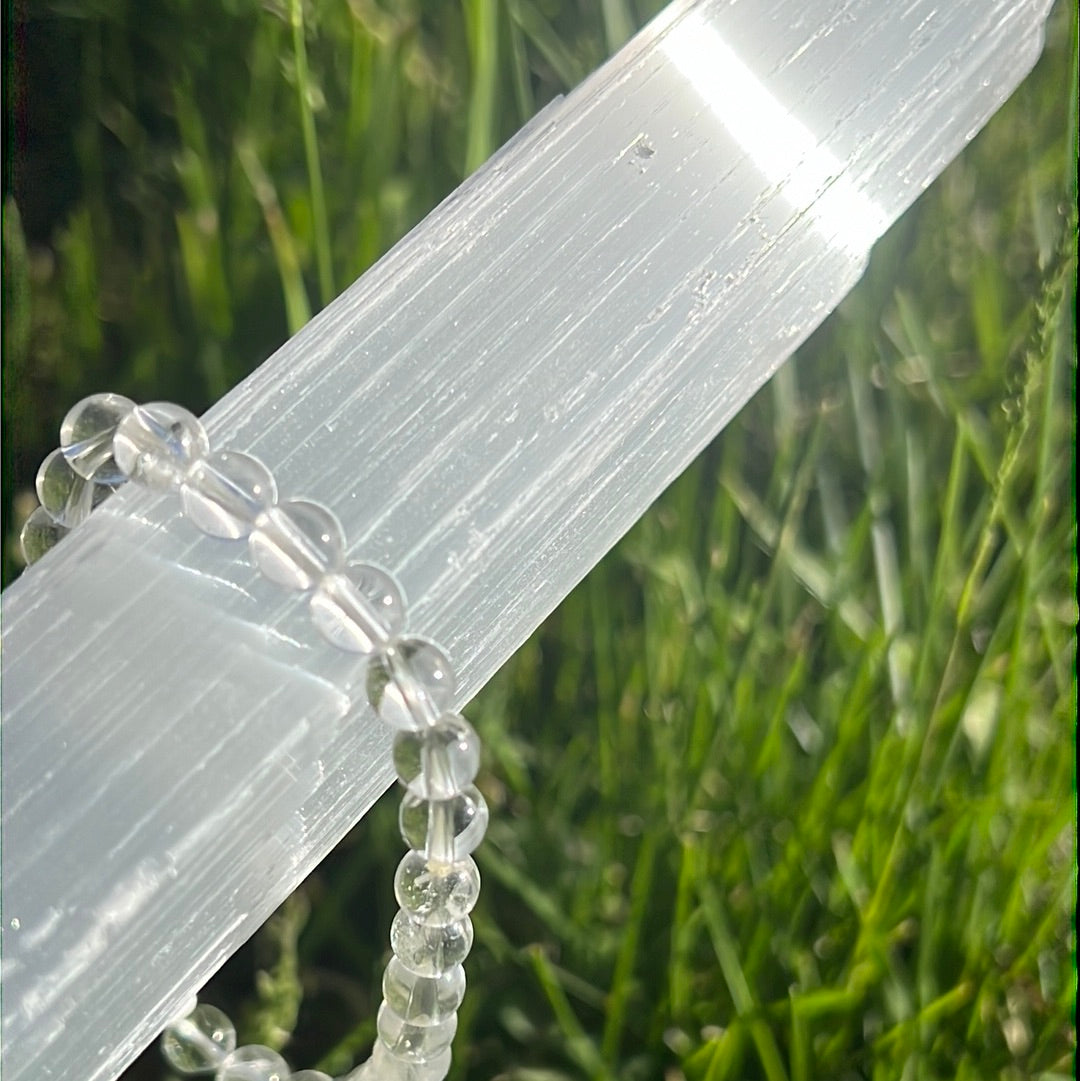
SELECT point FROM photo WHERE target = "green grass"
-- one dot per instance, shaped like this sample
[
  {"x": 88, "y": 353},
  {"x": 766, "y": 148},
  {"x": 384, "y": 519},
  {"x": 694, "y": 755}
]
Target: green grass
[{"x": 786, "y": 789}]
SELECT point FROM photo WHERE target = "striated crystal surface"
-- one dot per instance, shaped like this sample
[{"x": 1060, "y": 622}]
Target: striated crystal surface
[
  {"x": 445, "y": 831},
  {"x": 189, "y": 1005},
  {"x": 225, "y": 494},
  {"x": 198, "y": 1042},
  {"x": 157, "y": 445},
  {"x": 410, "y": 683},
  {"x": 68, "y": 497},
  {"x": 86, "y": 436},
  {"x": 412, "y": 1042},
  {"x": 422, "y": 1000},
  {"x": 39, "y": 533},
  {"x": 440, "y": 761},
  {"x": 428, "y": 950},
  {"x": 296, "y": 543},
  {"x": 436, "y": 893},
  {"x": 253, "y": 1062},
  {"x": 359, "y": 609}
]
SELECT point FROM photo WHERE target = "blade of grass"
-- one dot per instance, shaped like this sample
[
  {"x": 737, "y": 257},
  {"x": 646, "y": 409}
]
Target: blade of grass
[
  {"x": 727, "y": 954},
  {"x": 809, "y": 568},
  {"x": 543, "y": 904},
  {"x": 728, "y": 1052},
  {"x": 483, "y": 30},
  {"x": 641, "y": 889},
  {"x": 618, "y": 24},
  {"x": 577, "y": 1042},
  {"x": 297, "y": 309},
  {"x": 684, "y": 927},
  {"x": 323, "y": 259},
  {"x": 522, "y": 76},
  {"x": 539, "y": 31}
]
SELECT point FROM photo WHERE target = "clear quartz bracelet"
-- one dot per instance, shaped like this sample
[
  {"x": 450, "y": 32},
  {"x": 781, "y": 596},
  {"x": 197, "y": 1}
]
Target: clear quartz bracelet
[{"x": 106, "y": 440}]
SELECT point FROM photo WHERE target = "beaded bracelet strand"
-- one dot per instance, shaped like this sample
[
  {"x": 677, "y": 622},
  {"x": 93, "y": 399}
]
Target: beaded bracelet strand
[{"x": 107, "y": 439}]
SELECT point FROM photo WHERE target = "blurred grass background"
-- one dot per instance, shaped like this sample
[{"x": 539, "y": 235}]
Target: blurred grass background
[{"x": 786, "y": 789}]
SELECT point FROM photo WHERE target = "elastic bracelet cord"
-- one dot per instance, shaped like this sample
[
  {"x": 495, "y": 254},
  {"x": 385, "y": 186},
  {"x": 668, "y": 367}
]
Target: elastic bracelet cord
[{"x": 106, "y": 440}]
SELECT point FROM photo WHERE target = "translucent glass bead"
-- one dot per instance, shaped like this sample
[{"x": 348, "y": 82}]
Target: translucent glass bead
[
  {"x": 436, "y": 893},
  {"x": 68, "y": 497},
  {"x": 445, "y": 831},
  {"x": 410, "y": 683},
  {"x": 412, "y": 1042},
  {"x": 430, "y": 951},
  {"x": 157, "y": 444},
  {"x": 253, "y": 1062},
  {"x": 226, "y": 493},
  {"x": 86, "y": 436},
  {"x": 385, "y": 1065},
  {"x": 310, "y": 1075},
  {"x": 39, "y": 533},
  {"x": 423, "y": 1000},
  {"x": 440, "y": 761},
  {"x": 359, "y": 610},
  {"x": 296, "y": 543},
  {"x": 199, "y": 1042}
]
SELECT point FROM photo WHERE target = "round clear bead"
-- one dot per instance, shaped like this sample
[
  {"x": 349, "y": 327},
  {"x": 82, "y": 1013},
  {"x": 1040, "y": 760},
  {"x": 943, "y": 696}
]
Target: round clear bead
[
  {"x": 359, "y": 609},
  {"x": 423, "y": 1000},
  {"x": 296, "y": 543},
  {"x": 412, "y": 1042},
  {"x": 410, "y": 683},
  {"x": 436, "y": 893},
  {"x": 199, "y": 1042},
  {"x": 440, "y": 761},
  {"x": 226, "y": 493},
  {"x": 445, "y": 831},
  {"x": 68, "y": 497},
  {"x": 86, "y": 436},
  {"x": 387, "y": 1066},
  {"x": 427, "y": 950},
  {"x": 157, "y": 445},
  {"x": 39, "y": 533},
  {"x": 253, "y": 1062},
  {"x": 310, "y": 1075}
]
